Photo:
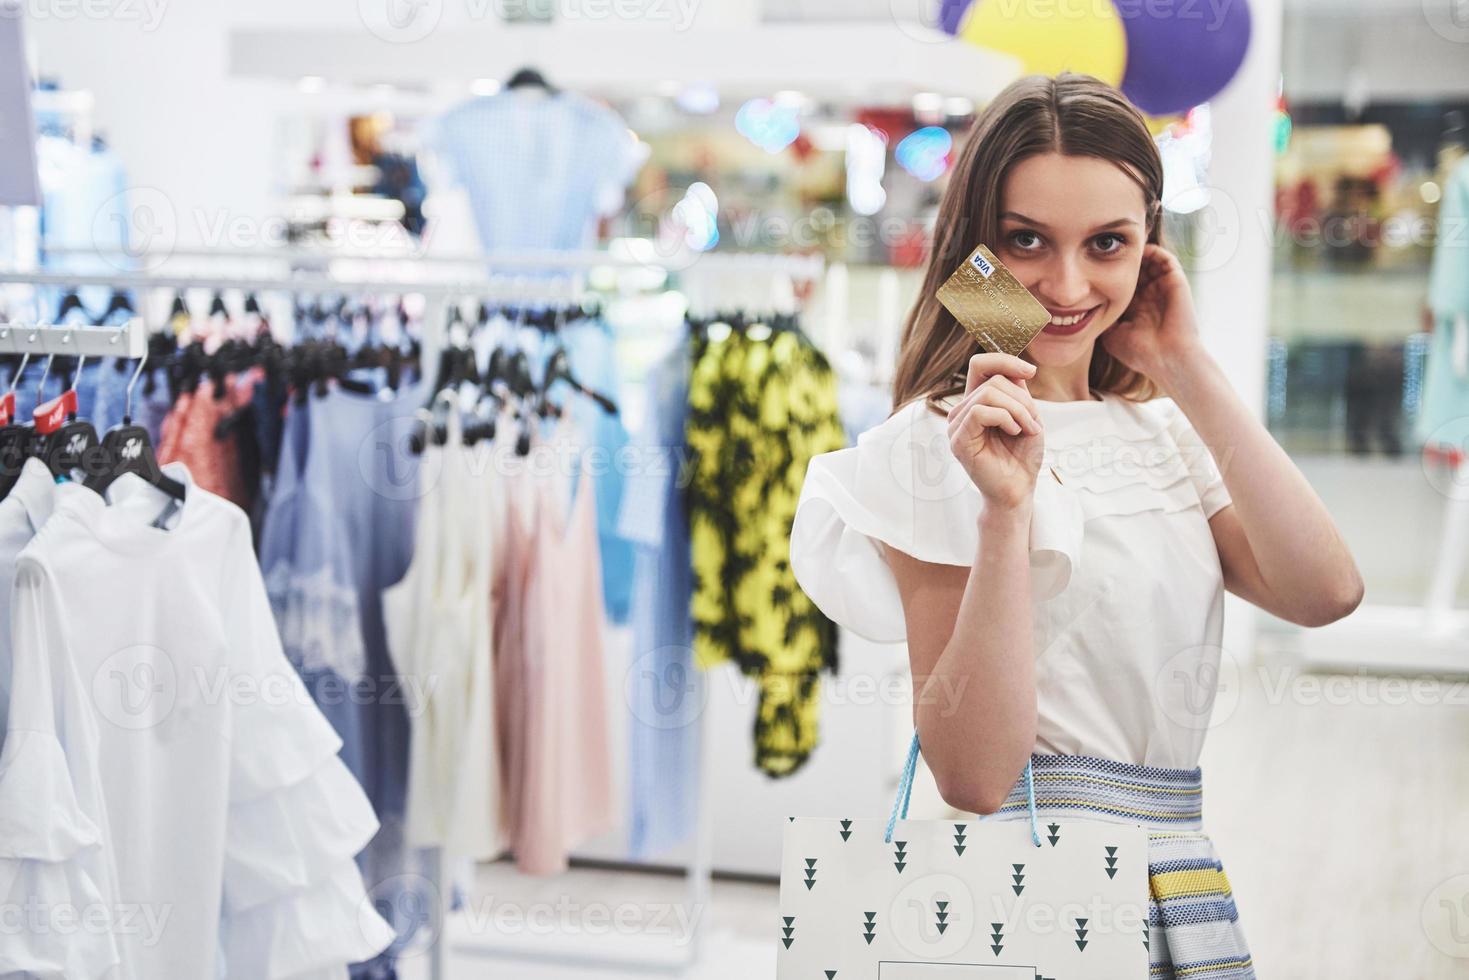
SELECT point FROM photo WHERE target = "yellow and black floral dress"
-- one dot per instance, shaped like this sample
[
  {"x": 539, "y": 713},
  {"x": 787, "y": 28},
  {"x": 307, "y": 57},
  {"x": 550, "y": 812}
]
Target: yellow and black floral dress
[{"x": 759, "y": 409}]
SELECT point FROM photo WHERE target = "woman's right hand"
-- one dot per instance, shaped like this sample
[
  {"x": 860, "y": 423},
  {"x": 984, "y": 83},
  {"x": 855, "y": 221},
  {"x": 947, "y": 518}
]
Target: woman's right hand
[{"x": 995, "y": 430}]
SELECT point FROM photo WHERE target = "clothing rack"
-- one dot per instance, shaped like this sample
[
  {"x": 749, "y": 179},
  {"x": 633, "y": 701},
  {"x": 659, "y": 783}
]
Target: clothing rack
[
  {"x": 129, "y": 340},
  {"x": 699, "y": 871},
  {"x": 630, "y": 253}
]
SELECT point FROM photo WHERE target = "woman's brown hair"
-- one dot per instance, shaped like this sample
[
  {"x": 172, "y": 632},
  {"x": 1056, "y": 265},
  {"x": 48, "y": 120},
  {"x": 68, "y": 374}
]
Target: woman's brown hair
[{"x": 1071, "y": 114}]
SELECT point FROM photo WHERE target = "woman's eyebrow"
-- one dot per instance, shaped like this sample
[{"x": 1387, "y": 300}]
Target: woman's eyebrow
[{"x": 1041, "y": 224}]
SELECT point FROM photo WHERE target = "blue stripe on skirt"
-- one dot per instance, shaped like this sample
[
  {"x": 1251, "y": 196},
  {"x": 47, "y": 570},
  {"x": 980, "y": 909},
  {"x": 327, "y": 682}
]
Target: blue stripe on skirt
[{"x": 1193, "y": 925}]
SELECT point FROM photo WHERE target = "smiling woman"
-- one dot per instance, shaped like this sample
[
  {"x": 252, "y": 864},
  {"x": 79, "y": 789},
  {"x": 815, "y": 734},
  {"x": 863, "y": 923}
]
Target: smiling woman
[
  {"x": 1050, "y": 537},
  {"x": 1068, "y": 208}
]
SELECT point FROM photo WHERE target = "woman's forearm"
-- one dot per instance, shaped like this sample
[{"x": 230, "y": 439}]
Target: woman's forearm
[
  {"x": 977, "y": 711},
  {"x": 1301, "y": 555}
]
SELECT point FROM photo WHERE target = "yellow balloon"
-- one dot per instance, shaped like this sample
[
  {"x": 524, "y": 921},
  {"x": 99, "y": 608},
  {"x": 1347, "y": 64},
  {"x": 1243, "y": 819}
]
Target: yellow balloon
[
  {"x": 1052, "y": 36},
  {"x": 1156, "y": 124}
]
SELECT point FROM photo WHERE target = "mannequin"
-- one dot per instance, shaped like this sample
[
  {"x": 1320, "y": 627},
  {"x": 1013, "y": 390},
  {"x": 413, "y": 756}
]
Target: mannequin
[{"x": 1443, "y": 421}]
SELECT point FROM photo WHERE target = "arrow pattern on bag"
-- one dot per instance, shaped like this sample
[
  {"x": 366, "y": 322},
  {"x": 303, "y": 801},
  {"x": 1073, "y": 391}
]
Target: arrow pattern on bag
[
  {"x": 869, "y": 926},
  {"x": 1111, "y": 862},
  {"x": 959, "y": 833},
  {"x": 902, "y": 858},
  {"x": 1055, "y": 834},
  {"x": 1081, "y": 934},
  {"x": 1019, "y": 877},
  {"x": 996, "y": 936},
  {"x": 846, "y": 829},
  {"x": 789, "y": 929},
  {"x": 942, "y": 915},
  {"x": 810, "y": 873}
]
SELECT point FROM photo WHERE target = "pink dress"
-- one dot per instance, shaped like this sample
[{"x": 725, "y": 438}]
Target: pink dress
[
  {"x": 550, "y": 671},
  {"x": 188, "y": 436}
]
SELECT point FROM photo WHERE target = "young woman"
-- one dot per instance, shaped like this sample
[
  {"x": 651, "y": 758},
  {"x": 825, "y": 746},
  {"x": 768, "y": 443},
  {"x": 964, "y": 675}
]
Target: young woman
[{"x": 1052, "y": 533}]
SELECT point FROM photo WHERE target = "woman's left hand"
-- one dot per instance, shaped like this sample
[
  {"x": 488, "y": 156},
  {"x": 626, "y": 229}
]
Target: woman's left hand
[{"x": 1159, "y": 327}]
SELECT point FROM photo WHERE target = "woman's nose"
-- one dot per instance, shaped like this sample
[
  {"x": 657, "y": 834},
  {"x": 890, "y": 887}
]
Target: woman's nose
[{"x": 1064, "y": 284}]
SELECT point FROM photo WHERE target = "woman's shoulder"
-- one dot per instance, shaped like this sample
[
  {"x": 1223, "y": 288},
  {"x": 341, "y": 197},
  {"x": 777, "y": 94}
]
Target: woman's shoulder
[{"x": 901, "y": 487}]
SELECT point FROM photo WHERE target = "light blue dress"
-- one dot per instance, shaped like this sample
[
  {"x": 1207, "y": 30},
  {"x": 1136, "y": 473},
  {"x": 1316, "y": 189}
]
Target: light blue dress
[
  {"x": 1443, "y": 416},
  {"x": 662, "y": 687},
  {"x": 538, "y": 169},
  {"x": 337, "y": 531},
  {"x": 591, "y": 352}
]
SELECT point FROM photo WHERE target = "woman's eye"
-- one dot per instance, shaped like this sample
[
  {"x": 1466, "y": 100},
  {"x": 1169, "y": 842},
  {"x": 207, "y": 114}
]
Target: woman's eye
[
  {"x": 1016, "y": 236},
  {"x": 1120, "y": 243}
]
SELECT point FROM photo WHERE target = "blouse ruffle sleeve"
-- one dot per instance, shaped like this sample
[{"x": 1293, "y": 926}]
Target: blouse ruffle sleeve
[
  {"x": 294, "y": 901},
  {"x": 901, "y": 486},
  {"x": 1203, "y": 469},
  {"x": 53, "y": 848}
]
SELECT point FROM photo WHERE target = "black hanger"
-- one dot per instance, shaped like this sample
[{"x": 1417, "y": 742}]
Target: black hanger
[
  {"x": 127, "y": 448},
  {"x": 529, "y": 78},
  {"x": 119, "y": 303},
  {"x": 70, "y": 303},
  {"x": 68, "y": 445},
  {"x": 558, "y": 367},
  {"x": 15, "y": 437}
]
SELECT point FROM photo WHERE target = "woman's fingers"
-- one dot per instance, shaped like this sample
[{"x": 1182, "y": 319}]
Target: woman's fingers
[
  {"x": 1018, "y": 391},
  {"x": 989, "y": 363},
  {"x": 987, "y": 416},
  {"x": 1003, "y": 394}
]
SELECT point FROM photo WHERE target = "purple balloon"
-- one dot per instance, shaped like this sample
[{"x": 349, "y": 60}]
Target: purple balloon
[
  {"x": 1181, "y": 52},
  {"x": 951, "y": 13}
]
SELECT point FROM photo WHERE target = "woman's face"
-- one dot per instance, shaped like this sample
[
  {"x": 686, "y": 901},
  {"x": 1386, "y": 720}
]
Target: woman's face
[{"x": 1072, "y": 230}]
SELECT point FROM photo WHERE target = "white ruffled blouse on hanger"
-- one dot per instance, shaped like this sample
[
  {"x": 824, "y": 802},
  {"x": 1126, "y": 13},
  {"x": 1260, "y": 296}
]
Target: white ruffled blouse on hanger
[
  {"x": 165, "y": 772},
  {"x": 1127, "y": 590}
]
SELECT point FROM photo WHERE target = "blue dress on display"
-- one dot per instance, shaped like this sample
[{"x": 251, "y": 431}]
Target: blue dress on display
[
  {"x": 662, "y": 686},
  {"x": 1443, "y": 417},
  {"x": 337, "y": 531}
]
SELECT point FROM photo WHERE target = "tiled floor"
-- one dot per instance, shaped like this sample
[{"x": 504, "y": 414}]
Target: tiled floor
[{"x": 1342, "y": 818}]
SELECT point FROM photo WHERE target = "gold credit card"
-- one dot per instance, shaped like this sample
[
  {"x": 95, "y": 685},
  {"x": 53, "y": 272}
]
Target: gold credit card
[{"x": 992, "y": 305}]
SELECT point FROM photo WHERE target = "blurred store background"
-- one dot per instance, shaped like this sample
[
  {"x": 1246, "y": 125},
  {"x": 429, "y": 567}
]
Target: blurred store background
[{"x": 215, "y": 143}]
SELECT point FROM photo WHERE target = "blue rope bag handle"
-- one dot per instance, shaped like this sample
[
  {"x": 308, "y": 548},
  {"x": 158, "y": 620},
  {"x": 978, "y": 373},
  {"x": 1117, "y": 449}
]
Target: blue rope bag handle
[{"x": 905, "y": 791}]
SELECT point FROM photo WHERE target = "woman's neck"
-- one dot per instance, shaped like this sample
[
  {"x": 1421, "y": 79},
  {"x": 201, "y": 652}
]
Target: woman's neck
[{"x": 1056, "y": 386}]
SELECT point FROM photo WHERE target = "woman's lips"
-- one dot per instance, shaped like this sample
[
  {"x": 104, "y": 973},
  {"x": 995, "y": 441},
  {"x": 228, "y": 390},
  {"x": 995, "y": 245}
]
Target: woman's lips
[{"x": 1078, "y": 326}]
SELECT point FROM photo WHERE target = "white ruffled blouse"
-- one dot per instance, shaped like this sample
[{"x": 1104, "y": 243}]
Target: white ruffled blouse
[
  {"x": 1127, "y": 590},
  {"x": 165, "y": 778}
]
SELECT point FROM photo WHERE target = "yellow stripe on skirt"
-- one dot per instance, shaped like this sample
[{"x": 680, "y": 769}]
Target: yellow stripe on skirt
[{"x": 1193, "y": 925}]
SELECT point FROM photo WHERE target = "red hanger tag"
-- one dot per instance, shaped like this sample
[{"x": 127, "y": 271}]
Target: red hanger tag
[
  {"x": 7, "y": 408},
  {"x": 50, "y": 416}
]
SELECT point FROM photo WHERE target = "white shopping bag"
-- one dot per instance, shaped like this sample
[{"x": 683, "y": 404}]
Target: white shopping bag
[{"x": 864, "y": 899}]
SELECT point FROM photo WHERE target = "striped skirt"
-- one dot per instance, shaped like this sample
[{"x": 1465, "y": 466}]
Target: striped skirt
[{"x": 1193, "y": 927}]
